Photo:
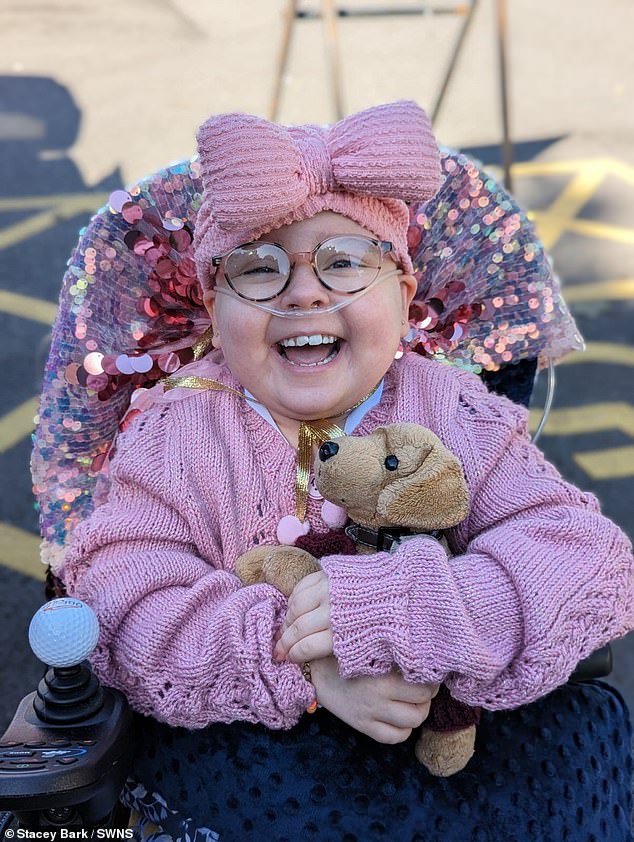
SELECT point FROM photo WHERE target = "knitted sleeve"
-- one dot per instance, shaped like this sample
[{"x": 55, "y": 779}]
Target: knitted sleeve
[
  {"x": 540, "y": 578},
  {"x": 179, "y": 636}
]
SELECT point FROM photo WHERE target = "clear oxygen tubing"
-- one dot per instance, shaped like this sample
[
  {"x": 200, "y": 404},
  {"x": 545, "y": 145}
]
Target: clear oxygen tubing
[{"x": 296, "y": 313}]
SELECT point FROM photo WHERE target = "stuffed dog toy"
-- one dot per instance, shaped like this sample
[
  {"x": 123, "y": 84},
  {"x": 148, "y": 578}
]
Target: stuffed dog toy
[{"x": 394, "y": 483}]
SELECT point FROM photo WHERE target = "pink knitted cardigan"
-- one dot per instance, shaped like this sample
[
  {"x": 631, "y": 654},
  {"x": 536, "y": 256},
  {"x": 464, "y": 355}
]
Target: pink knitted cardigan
[{"x": 539, "y": 579}]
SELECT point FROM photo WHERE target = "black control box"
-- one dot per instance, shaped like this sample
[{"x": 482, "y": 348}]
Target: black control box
[{"x": 66, "y": 775}]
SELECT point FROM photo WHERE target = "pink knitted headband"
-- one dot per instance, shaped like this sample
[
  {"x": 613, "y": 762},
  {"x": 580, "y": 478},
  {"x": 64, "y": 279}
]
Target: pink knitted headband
[{"x": 258, "y": 176}]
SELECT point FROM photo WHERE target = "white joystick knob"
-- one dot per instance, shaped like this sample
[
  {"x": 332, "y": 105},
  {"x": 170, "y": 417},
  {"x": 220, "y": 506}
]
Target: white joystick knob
[{"x": 63, "y": 632}]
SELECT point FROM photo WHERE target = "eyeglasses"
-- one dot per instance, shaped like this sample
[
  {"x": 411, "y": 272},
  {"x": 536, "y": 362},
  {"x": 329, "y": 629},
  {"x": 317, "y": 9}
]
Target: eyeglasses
[{"x": 259, "y": 272}]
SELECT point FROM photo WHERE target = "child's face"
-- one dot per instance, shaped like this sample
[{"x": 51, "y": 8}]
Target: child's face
[{"x": 292, "y": 385}]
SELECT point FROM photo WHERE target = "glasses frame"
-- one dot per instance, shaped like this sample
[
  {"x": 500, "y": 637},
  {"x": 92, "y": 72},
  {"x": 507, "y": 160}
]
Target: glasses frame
[{"x": 385, "y": 247}]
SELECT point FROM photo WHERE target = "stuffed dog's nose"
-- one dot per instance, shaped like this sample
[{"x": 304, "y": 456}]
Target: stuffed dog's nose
[{"x": 327, "y": 450}]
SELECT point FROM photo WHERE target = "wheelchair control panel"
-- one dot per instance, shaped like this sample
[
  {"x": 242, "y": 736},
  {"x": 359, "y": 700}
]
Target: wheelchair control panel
[{"x": 64, "y": 758}]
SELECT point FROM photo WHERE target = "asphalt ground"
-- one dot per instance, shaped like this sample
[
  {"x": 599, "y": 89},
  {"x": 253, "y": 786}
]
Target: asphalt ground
[{"x": 94, "y": 96}]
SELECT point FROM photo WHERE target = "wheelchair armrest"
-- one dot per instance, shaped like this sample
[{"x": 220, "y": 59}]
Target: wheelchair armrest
[{"x": 596, "y": 665}]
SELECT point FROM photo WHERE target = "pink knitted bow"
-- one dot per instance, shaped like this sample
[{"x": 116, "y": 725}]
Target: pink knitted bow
[
  {"x": 258, "y": 176},
  {"x": 259, "y": 171}
]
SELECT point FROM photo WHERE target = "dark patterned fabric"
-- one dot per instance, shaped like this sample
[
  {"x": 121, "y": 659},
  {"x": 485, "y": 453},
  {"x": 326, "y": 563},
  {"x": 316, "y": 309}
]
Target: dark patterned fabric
[{"x": 559, "y": 769}]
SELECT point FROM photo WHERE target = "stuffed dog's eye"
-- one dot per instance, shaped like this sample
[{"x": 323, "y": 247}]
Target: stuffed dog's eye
[{"x": 391, "y": 462}]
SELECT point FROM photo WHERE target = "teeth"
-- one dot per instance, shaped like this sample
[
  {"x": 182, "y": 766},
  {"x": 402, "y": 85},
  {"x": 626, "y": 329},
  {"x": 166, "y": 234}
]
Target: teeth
[{"x": 315, "y": 339}]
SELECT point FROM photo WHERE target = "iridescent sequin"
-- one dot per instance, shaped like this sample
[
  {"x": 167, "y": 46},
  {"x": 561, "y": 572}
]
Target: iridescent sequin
[
  {"x": 131, "y": 309},
  {"x": 487, "y": 294}
]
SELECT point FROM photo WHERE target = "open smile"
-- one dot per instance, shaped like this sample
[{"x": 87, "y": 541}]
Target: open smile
[{"x": 309, "y": 351}]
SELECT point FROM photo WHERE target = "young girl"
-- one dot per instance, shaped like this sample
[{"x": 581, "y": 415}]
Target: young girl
[{"x": 302, "y": 257}]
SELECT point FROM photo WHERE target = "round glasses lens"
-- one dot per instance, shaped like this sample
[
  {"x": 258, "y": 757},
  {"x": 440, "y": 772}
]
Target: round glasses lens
[
  {"x": 257, "y": 271},
  {"x": 348, "y": 264}
]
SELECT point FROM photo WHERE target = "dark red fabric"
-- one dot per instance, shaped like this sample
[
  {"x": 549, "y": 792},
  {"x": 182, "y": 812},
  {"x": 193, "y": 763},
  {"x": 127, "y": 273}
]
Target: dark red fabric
[
  {"x": 335, "y": 542},
  {"x": 448, "y": 714}
]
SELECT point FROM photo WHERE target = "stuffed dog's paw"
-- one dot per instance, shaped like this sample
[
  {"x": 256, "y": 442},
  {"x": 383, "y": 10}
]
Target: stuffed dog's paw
[
  {"x": 443, "y": 753},
  {"x": 280, "y": 566}
]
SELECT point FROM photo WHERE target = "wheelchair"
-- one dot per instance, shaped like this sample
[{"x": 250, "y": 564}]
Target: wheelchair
[{"x": 130, "y": 314}]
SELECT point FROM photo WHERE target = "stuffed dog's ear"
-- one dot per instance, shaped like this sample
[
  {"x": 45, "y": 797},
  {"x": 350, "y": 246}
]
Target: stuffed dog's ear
[{"x": 434, "y": 496}]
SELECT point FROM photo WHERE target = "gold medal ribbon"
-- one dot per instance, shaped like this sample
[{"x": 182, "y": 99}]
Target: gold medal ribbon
[
  {"x": 310, "y": 433},
  {"x": 203, "y": 344},
  {"x": 202, "y": 383}
]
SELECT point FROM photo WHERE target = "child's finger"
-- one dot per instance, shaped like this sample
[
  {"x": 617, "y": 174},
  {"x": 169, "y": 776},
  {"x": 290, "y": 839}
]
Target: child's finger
[
  {"x": 316, "y": 579},
  {"x": 310, "y": 593},
  {"x": 297, "y": 609},
  {"x": 405, "y": 714},
  {"x": 311, "y": 648},
  {"x": 304, "y": 626},
  {"x": 415, "y": 693}
]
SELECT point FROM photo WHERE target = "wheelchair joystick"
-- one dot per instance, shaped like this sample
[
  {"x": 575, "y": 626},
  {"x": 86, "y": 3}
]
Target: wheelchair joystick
[
  {"x": 62, "y": 634},
  {"x": 67, "y": 752}
]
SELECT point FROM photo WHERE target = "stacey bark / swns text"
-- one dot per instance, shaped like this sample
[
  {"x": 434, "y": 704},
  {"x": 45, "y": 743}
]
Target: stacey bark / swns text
[{"x": 66, "y": 833}]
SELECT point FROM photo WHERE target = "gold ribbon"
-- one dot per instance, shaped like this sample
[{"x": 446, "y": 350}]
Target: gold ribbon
[
  {"x": 203, "y": 344},
  {"x": 310, "y": 433},
  {"x": 195, "y": 382}
]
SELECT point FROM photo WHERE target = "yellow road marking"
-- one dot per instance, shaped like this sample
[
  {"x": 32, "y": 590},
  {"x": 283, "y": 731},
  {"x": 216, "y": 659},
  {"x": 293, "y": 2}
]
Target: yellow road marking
[
  {"x": 561, "y": 216},
  {"x": 551, "y": 225},
  {"x": 28, "y": 228},
  {"x": 33, "y": 202},
  {"x": 621, "y": 170},
  {"x": 600, "y": 230},
  {"x": 17, "y": 424},
  {"x": 528, "y": 168},
  {"x": 592, "y": 418},
  {"x": 616, "y": 290},
  {"x": 609, "y": 166},
  {"x": 33, "y": 225},
  {"x": 552, "y": 222},
  {"x": 609, "y": 463},
  {"x": 20, "y": 551},
  {"x": 602, "y": 352},
  {"x": 27, "y": 307}
]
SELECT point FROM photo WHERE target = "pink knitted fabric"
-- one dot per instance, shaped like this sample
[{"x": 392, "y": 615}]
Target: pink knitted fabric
[
  {"x": 258, "y": 176},
  {"x": 539, "y": 579}
]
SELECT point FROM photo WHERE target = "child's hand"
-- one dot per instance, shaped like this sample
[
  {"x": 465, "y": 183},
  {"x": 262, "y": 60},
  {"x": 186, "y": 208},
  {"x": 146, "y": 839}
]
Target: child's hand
[
  {"x": 385, "y": 707},
  {"x": 306, "y": 633}
]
